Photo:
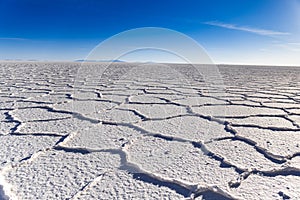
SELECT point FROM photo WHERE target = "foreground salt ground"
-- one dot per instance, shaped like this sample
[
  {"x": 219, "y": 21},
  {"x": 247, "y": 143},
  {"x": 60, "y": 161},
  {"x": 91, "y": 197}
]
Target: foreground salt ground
[{"x": 148, "y": 131}]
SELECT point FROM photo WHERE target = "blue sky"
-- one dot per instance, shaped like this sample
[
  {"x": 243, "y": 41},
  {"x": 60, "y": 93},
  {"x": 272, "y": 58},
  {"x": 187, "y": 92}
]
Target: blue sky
[{"x": 231, "y": 31}]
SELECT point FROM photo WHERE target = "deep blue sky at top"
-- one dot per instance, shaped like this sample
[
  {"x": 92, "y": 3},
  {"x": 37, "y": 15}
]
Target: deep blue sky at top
[{"x": 229, "y": 30}]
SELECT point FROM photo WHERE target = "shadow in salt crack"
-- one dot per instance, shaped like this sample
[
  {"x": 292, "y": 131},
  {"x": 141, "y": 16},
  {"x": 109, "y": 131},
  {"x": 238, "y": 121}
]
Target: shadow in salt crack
[
  {"x": 167, "y": 138},
  {"x": 209, "y": 195},
  {"x": 62, "y": 139},
  {"x": 2, "y": 194},
  {"x": 173, "y": 186},
  {"x": 288, "y": 171},
  {"x": 10, "y": 119},
  {"x": 72, "y": 150}
]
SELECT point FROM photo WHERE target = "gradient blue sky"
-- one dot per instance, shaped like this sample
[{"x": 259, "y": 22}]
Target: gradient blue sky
[{"x": 231, "y": 31}]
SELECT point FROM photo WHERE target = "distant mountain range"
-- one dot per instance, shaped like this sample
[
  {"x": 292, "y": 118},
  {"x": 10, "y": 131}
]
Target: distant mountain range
[{"x": 83, "y": 60}]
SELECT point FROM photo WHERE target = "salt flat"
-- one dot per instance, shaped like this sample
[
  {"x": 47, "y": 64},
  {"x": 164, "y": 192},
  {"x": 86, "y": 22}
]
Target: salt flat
[{"x": 148, "y": 131}]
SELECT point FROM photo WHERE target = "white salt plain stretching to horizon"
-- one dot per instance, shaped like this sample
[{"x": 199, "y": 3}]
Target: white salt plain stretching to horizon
[{"x": 148, "y": 131}]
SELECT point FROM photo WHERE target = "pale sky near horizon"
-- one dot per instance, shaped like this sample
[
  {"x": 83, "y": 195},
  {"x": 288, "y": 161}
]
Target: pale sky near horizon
[{"x": 263, "y": 32}]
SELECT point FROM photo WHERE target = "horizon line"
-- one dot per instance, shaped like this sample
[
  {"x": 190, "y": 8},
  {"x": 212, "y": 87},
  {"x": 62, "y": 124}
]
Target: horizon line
[{"x": 149, "y": 62}]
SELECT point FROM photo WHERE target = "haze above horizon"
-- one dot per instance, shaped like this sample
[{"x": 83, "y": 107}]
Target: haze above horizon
[{"x": 265, "y": 32}]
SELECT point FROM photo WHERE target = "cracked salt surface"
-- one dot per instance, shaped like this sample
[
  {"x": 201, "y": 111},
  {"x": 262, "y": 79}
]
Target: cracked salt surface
[
  {"x": 187, "y": 127},
  {"x": 236, "y": 111},
  {"x": 148, "y": 131},
  {"x": 282, "y": 187},
  {"x": 156, "y": 111},
  {"x": 59, "y": 127},
  {"x": 295, "y": 118},
  {"x": 14, "y": 148},
  {"x": 47, "y": 174},
  {"x": 101, "y": 136},
  {"x": 198, "y": 101},
  {"x": 283, "y": 143},
  {"x": 6, "y": 127},
  {"x": 264, "y": 122},
  {"x": 122, "y": 185},
  {"x": 234, "y": 153},
  {"x": 37, "y": 114},
  {"x": 195, "y": 166}
]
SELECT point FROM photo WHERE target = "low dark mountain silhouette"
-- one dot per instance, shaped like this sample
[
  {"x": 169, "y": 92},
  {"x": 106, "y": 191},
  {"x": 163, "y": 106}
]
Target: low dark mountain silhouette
[{"x": 83, "y": 60}]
